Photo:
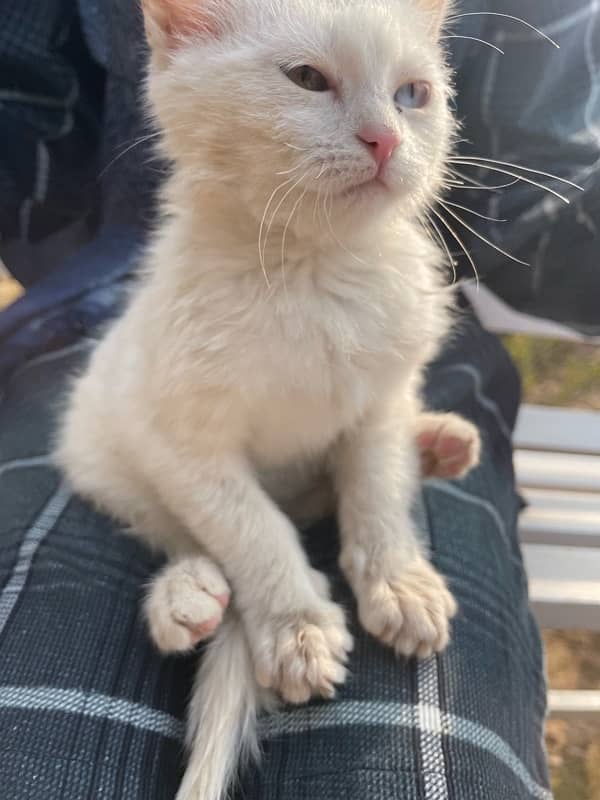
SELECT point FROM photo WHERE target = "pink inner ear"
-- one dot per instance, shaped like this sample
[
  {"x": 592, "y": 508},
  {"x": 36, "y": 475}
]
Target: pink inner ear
[{"x": 179, "y": 18}]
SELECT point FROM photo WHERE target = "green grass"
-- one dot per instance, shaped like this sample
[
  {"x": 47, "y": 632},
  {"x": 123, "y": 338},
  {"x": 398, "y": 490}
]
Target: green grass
[{"x": 557, "y": 373}]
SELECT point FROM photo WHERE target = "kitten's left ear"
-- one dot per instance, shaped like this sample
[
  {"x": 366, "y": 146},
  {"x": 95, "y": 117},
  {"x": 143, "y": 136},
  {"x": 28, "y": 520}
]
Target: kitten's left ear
[
  {"x": 169, "y": 22},
  {"x": 438, "y": 11}
]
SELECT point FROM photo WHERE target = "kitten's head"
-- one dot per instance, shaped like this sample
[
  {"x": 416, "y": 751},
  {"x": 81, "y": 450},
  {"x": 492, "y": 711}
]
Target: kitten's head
[{"x": 346, "y": 100}]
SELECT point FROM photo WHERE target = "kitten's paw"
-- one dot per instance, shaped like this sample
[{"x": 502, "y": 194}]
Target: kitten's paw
[
  {"x": 185, "y": 603},
  {"x": 449, "y": 445},
  {"x": 408, "y": 607},
  {"x": 303, "y": 655}
]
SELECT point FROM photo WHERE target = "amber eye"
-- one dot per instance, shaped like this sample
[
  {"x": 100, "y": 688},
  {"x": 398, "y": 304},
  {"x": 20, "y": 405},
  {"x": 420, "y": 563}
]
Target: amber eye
[
  {"x": 415, "y": 94},
  {"x": 308, "y": 78}
]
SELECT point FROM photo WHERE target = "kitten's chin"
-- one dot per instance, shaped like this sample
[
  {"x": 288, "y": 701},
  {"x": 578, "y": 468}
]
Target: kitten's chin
[
  {"x": 369, "y": 188},
  {"x": 374, "y": 196}
]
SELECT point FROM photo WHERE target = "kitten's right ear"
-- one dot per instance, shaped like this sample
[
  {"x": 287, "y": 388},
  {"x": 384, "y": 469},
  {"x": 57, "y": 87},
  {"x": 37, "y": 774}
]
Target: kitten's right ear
[
  {"x": 438, "y": 10},
  {"x": 170, "y": 22}
]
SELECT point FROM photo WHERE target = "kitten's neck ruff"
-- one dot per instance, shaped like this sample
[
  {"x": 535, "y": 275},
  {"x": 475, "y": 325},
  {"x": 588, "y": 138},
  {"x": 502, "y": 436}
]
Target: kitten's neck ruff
[{"x": 224, "y": 225}]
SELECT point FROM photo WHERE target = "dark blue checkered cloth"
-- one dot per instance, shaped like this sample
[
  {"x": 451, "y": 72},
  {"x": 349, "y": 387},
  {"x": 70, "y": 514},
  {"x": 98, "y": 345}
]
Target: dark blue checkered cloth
[{"x": 88, "y": 710}]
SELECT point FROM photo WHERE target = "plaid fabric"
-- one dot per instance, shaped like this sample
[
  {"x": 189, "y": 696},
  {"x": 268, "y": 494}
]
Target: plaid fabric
[
  {"x": 89, "y": 710},
  {"x": 51, "y": 107}
]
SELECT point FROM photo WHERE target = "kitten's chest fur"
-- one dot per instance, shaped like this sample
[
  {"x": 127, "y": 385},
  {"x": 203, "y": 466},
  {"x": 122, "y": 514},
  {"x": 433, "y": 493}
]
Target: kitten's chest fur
[
  {"x": 288, "y": 368},
  {"x": 320, "y": 353},
  {"x": 314, "y": 389}
]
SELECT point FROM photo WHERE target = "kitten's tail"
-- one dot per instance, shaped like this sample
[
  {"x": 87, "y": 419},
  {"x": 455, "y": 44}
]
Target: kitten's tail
[{"x": 222, "y": 723}]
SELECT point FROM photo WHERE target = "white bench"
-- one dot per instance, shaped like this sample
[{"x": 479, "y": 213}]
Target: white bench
[{"x": 557, "y": 461}]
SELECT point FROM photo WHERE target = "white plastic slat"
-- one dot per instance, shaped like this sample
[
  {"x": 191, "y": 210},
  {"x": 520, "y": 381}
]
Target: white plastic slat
[
  {"x": 562, "y": 501},
  {"x": 576, "y": 704},
  {"x": 559, "y": 471},
  {"x": 563, "y": 518},
  {"x": 569, "y": 526},
  {"x": 564, "y": 585},
  {"x": 555, "y": 429}
]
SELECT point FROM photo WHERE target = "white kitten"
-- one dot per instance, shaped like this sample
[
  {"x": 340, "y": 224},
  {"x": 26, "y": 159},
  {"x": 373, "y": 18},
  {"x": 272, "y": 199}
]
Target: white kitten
[{"x": 290, "y": 301}]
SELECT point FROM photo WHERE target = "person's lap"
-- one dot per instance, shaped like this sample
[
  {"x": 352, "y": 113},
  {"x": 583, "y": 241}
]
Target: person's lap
[{"x": 89, "y": 710}]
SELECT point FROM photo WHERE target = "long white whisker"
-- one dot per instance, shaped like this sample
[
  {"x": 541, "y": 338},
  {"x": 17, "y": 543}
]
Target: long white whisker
[
  {"x": 470, "y": 210},
  {"x": 337, "y": 240},
  {"x": 318, "y": 194},
  {"x": 484, "y": 161},
  {"x": 507, "y": 16},
  {"x": 296, "y": 167},
  {"x": 474, "y": 39},
  {"x": 316, "y": 206},
  {"x": 478, "y": 186},
  {"x": 442, "y": 239},
  {"x": 463, "y": 177},
  {"x": 454, "y": 182},
  {"x": 480, "y": 236},
  {"x": 516, "y": 175},
  {"x": 284, "y": 235},
  {"x": 119, "y": 156},
  {"x": 488, "y": 188},
  {"x": 295, "y": 147},
  {"x": 461, "y": 244},
  {"x": 274, "y": 214},
  {"x": 475, "y": 184},
  {"x": 262, "y": 224}
]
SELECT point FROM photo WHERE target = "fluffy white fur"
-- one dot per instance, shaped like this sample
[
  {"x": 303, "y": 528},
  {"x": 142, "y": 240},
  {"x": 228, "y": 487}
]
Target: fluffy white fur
[{"x": 274, "y": 348}]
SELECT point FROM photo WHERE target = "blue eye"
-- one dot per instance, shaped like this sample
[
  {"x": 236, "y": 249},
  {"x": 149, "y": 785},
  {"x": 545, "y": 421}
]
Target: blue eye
[{"x": 415, "y": 94}]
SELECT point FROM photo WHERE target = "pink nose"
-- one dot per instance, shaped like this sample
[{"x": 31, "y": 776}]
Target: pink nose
[{"x": 381, "y": 142}]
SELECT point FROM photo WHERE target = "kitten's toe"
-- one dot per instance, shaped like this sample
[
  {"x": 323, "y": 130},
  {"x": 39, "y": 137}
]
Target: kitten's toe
[
  {"x": 449, "y": 445},
  {"x": 408, "y": 608},
  {"x": 185, "y": 604},
  {"x": 303, "y": 655}
]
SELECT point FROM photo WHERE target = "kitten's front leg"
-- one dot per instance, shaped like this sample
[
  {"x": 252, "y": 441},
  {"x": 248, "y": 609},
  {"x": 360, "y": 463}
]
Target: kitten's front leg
[
  {"x": 402, "y": 600},
  {"x": 297, "y": 636}
]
